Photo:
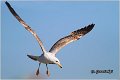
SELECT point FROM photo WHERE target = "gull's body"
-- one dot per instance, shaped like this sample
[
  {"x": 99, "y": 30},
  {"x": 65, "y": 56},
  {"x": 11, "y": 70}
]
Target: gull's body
[
  {"x": 45, "y": 58},
  {"x": 49, "y": 57}
]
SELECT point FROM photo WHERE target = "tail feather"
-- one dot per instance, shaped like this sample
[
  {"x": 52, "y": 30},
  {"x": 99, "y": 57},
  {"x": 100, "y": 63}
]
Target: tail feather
[{"x": 33, "y": 57}]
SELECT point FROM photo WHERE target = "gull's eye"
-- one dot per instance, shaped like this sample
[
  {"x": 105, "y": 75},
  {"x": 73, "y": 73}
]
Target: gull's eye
[{"x": 56, "y": 61}]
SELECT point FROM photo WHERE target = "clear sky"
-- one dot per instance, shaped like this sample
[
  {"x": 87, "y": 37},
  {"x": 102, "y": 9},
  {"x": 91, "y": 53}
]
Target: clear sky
[{"x": 98, "y": 50}]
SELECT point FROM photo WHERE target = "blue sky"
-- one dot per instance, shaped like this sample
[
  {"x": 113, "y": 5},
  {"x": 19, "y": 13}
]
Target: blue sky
[{"x": 98, "y": 50}]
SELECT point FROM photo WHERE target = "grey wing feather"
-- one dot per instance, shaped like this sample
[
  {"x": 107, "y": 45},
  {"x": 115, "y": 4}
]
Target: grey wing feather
[
  {"x": 75, "y": 35},
  {"x": 27, "y": 27}
]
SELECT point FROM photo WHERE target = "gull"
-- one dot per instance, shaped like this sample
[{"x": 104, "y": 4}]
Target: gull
[{"x": 49, "y": 57}]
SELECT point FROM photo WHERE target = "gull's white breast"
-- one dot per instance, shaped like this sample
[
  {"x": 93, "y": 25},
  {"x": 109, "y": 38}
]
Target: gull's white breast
[{"x": 46, "y": 58}]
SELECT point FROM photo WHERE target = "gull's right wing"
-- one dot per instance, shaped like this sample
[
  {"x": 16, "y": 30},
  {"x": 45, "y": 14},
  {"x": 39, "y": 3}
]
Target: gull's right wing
[
  {"x": 27, "y": 27},
  {"x": 74, "y": 36}
]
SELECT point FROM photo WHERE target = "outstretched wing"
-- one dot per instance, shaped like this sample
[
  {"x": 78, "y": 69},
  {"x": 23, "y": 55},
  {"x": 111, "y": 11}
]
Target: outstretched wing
[
  {"x": 27, "y": 27},
  {"x": 75, "y": 35}
]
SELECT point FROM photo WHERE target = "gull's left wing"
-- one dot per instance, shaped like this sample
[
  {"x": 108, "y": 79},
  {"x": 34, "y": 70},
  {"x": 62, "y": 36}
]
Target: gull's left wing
[
  {"x": 75, "y": 35},
  {"x": 27, "y": 27}
]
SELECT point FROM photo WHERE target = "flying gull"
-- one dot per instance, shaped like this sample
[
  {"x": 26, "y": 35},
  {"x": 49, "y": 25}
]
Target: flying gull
[{"x": 49, "y": 57}]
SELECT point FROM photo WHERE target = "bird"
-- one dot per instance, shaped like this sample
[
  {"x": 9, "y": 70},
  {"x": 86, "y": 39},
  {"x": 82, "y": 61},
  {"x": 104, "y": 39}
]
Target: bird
[{"x": 49, "y": 57}]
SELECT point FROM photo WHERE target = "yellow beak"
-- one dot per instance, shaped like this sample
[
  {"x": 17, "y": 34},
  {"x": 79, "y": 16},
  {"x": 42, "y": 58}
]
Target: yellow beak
[{"x": 59, "y": 65}]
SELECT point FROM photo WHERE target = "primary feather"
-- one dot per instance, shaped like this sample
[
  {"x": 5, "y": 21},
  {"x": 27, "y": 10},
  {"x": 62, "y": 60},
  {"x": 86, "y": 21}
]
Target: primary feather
[
  {"x": 26, "y": 26},
  {"x": 75, "y": 35}
]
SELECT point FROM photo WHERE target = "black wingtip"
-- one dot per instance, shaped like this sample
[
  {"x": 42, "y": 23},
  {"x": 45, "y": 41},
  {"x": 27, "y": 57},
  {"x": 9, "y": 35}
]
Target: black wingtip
[
  {"x": 90, "y": 27},
  {"x": 84, "y": 30},
  {"x": 7, "y": 3},
  {"x": 93, "y": 24}
]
